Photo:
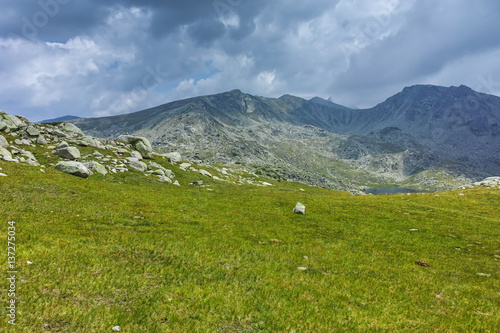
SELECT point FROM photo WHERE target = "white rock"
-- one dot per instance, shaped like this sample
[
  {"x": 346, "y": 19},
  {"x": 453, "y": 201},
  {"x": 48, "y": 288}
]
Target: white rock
[
  {"x": 74, "y": 168},
  {"x": 184, "y": 166},
  {"x": 117, "y": 329},
  {"x": 205, "y": 173},
  {"x": 299, "y": 208}
]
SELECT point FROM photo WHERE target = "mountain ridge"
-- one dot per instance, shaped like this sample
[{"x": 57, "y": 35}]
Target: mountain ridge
[{"x": 423, "y": 128}]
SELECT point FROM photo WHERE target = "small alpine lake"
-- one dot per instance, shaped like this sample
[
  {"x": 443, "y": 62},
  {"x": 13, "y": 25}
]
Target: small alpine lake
[{"x": 390, "y": 190}]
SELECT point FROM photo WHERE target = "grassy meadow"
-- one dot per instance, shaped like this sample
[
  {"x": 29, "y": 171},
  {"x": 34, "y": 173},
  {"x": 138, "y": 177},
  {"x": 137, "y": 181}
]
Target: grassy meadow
[{"x": 126, "y": 250}]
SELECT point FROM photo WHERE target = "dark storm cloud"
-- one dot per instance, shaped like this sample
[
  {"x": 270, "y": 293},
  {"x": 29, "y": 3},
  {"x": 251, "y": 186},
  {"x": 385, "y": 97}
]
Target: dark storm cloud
[
  {"x": 113, "y": 56},
  {"x": 433, "y": 37}
]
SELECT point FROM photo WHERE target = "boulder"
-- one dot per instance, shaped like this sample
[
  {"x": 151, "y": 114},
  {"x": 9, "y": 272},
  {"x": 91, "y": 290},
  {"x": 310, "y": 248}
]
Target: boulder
[
  {"x": 3, "y": 126},
  {"x": 184, "y": 166},
  {"x": 159, "y": 172},
  {"x": 5, "y": 154},
  {"x": 96, "y": 167},
  {"x": 97, "y": 154},
  {"x": 69, "y": 153},
  {"x": 174, "y": 157},
  {"x": 140, "y": 144},
  {"x": 31, "y": 131},
  {"x": 41, "y": 140},
  {"x": 299, "y": 208},
  {"x": 73, "y": 168},
  {"x": 88, "y": 141},
  {"x": 3, "y": 142},
  {"x": 156, "y": 166},
  {"x": 63, "y": 144},
  {"x": 27, "y": 155},
  {"x": 165, "y": 179},
  {"x": 205, "y": 173},
  {"x": 12, "y": 122},
  {"x": 68, "y": 127},
  {"x": 23, "y": 119},
  {"x": 136, "y": 154},
  {"x": 59, "y": 133},
  {"x": 32, "y": 162},
  {"x": 138, "y": 165}
]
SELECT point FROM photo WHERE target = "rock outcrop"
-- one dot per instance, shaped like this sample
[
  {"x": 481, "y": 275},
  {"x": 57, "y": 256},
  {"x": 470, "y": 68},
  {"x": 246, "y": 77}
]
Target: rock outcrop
[
  {"x": 489, "y": 182},
  {"x": 140, "y": 144},
  {"x": 110, "y": 156}
]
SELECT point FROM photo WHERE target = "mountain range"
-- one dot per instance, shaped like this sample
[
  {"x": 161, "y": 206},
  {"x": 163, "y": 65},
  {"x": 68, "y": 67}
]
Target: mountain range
[{"x": 426, "y": 137}]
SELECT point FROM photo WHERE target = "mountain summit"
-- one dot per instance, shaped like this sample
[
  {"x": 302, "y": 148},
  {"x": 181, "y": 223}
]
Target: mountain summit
[{"x": 420, "y": 136}]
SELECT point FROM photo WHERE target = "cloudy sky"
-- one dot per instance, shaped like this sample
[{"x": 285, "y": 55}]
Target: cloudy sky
[{"x": 107, "y": 57}]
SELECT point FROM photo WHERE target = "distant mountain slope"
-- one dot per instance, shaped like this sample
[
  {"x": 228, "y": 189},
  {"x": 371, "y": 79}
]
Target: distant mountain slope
[
  {"x": 59, "y": 119},
  {"x": 424, "y": 128}
]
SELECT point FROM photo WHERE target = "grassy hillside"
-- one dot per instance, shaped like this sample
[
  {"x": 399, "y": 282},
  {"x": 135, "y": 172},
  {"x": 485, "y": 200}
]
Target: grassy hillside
[{"x": 127, "y": 250}]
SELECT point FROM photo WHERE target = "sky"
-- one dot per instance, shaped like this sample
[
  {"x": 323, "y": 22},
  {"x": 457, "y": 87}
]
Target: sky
[{"x": 107, "y": 57}]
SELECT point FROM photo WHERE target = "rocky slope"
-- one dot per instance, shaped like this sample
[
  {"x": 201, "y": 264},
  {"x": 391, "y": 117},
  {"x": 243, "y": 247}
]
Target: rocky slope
[
  {"x": 66, "y": 148},
  {"x": 426, "y": 136}
]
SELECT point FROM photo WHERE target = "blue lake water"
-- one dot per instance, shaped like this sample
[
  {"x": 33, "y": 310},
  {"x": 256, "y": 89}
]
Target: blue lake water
[{"x": 392, "y": 190}]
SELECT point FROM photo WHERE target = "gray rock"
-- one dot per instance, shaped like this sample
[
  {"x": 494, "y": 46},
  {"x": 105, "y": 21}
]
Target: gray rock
[
  {"x": 23, "y": 119},
  {"x": 32, "y": 131},
  {"x": 69, "y": 153},
  {"x": 12, "y": 122},
  {"x": 489, "y": 182},
  {"x": 28, "y": 155},
  {"x": 59, "y": 133},
  {"x": 141, "y": 166},
  {"x": 63, "y": 144},
  {"x": 205, "y": 173},
  {"x": 73, "y": 168},
  {"x": 197, "y": 183},
  {"x": 3, "y": 126},
  {"x": 80, "y": 143},
  {"x": 88, "y": 141},
  {"x": 299, "y": 208},
  {"x": 156, "y": 166},
  {"x": 68, "y": 127},
  {"x": 97, "y": 154},
  {"x": 174, "y": 157},
  {"x": 140, "y": 144},
  {"x": 184, "y": 166},
  {"x": 3, "y": 142},
  {"x": 136, "y": 154},
  {"x": 165, "y": 179},
  {"x": 5, "y": 154},
  {"x": 41, "y": 140},
  {"x": 32, "y": 162},
  {"x": 159, "y": 172},
  {"x": 96, "y": 167}
]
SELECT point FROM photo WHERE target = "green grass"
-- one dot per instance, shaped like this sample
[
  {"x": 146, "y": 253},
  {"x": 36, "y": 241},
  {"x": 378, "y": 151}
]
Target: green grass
[{"x": 151, "y": 257}]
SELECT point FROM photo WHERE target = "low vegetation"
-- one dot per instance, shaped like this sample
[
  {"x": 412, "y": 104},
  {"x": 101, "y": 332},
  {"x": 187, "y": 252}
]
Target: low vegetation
[{"x": 126, "y": 250}]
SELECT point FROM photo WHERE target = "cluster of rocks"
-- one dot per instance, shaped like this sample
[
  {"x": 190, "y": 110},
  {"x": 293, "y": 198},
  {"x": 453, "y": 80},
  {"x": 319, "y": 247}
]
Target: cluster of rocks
[
  {"x": 489, "y": 182},
  {"x": 64, "y": 141}
]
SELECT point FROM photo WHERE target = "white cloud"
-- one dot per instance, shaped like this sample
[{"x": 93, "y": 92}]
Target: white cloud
[{"x": 129, "y": 56}]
